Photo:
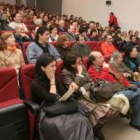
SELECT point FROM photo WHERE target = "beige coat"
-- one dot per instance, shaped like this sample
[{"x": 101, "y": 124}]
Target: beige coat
[
  {"x": 97, "y": 111},
  {"x": 11, "y": 59}
]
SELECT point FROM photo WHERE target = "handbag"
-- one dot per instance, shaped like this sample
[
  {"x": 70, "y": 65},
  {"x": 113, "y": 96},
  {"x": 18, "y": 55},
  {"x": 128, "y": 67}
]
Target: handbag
[
  {"x": 101, "y": 91},
  {"x": 61, "y": 107}
]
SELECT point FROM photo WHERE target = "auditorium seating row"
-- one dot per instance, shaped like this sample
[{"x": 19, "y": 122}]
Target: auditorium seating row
[
  {"x": 20, "y": 116},
  {"x": 93, "y": 45}
]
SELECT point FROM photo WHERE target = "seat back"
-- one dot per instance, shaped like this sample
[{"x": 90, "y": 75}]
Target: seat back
[
  {"x": 85, "y": 61},
  {"x": 27, "y": 74},
  {"x": 24, "y": 48},
  {"x": 13, "y": 113},
  {"x": 8, "y": 83},
  {"x": 92, "y": 44},
  {"x": 59, "y": 68}
]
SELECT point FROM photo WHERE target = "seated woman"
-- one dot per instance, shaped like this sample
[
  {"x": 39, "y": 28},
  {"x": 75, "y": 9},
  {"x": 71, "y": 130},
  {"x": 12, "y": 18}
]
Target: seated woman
[
  {"x": 53, "y": 33},
  {"x": 10, "y": 56},
  {"x": 80, "y": 47},
  {"x": 63, "y": 45},
  {"x": 74, "y": 71},
  {"x": 130, "y": 58},
  {"x": 41, "y": 45},
  {"x": 116, "y": 61},
  {"x": 47, "y": 89}
]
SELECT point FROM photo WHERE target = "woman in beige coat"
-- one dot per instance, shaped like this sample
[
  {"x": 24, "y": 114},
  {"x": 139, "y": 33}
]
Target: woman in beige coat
[{"x": 10, "y": 56}]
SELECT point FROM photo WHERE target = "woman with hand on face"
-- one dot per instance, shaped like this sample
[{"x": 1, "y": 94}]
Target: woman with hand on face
[
  {"x": 10, "y": 56},
  {"x": 46, "y": 90},
  {"x": 75, "y": 72}
]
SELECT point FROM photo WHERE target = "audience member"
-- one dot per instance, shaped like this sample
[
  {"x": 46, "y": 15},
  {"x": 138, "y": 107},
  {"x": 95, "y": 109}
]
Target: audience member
[
  {"x": 80, "y": 47},
  {"x": 53, "y": 33},
  {"x": 10, "y": 56},
  {"x": 107, "y": 47},
  {"x": 47, "y": 89},
  {"x": 71, "y": 33},
  {"x": 130, "y": 58},
  {"x": 63, "y": 45},
  {"x": 17, "y": 21},
  {"x": 41, "y": 45},
  {"x": 101, "y": 70},
  {"x": 20, "y": 36}
]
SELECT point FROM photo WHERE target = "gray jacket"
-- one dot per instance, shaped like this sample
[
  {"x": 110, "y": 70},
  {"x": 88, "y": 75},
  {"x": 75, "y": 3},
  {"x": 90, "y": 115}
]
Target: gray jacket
[{"x": 34, "y": 51}]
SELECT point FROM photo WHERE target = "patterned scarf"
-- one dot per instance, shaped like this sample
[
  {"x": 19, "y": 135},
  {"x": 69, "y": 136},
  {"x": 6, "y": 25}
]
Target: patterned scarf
[{"x": 12, "y": 48}]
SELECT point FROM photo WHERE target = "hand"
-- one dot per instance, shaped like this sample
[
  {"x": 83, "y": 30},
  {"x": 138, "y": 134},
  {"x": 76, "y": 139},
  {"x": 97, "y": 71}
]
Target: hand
[
  {"x": 24, "y": 35},
  {"x": 126, "y": 75},
  {"x": 132, "y": 87},
  {"x": 73, "y": 86},
  {"x": 79, "y": 69},
  {"x": 105, "y": 65},
  {"x": 50, "y": 74}
]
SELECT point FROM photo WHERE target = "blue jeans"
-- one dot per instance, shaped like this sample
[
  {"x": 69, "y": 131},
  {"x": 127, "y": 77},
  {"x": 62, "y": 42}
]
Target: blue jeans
[
  {"x": 136, "y": 83},
  {"x": 134, "y": 99}
]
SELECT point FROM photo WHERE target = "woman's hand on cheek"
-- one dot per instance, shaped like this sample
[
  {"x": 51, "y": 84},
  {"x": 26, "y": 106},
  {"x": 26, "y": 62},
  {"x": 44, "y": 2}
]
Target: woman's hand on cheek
[{"x": 50, "y": 74}]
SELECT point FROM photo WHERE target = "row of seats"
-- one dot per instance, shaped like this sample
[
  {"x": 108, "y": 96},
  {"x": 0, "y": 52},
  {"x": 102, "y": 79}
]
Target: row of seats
[
  {"x": 16, "y": 119},
  {"x": 20, "y": 117},
  {"x": 93, "y": 45}
]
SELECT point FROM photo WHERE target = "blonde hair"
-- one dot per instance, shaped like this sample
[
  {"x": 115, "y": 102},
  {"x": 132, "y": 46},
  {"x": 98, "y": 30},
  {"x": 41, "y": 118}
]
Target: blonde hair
[
  {"x": 60, "y": 40},
  {"x": 3, "y": 44}
]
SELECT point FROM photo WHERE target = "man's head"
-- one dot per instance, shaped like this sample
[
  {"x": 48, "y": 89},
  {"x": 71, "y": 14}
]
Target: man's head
[
  {"x": 96, "y": 59},
  {"x": 17, "y": 18},
  {"x": 19, "y": 29},
  {"x": 133, "y": 38},
  {"x": 108, "y": 39},
  {"x": 62, "y": 23},
  {"x": 71, "y": 29}
]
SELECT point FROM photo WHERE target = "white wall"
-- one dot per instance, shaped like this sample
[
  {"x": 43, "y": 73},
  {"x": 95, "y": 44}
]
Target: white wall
[{"x": 127, "y": 11}]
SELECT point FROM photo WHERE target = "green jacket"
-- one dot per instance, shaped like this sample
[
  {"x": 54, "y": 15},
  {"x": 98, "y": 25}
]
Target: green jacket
[{"x": 81, "y": 49}]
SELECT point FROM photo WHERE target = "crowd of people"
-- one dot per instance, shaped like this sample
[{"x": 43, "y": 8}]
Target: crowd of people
[{"x": 46, "y": 27}]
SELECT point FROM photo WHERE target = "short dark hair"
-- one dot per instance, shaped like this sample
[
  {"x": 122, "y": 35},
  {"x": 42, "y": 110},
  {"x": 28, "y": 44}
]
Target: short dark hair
[
  {"x": 132, "y": 37},
  {"x": 77, "y": 37},
  {"x": 93, "y": 30},
  {"x": 41, "y": 31},
  {"x": 44, "y": 60},
  {"x": 90, "y": 60},
  {"x": 128, "y": 50},
  {"x": 52, "y": 27},
  {"x": 70, "y": 59},
  {"x": 82, "y": 30}
]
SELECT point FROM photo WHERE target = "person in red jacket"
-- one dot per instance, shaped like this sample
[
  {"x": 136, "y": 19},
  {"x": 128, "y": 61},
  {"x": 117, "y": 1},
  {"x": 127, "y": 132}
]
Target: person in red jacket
[
  {"x": 98, "y": 68},
  {"x": 107, "y": 48},
  {"x": 113, "y": 20}
]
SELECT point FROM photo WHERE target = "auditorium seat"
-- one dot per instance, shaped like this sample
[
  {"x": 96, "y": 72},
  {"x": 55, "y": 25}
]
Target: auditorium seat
[
  {"x": 13, "y": 112},
  {"x": 30, "y": 26},
  {"x": 27, "y": 74},
  {"x": 92, "y": 44},
  {"x": 59, "y": 68},
  {"x": 24, "y": 47}
]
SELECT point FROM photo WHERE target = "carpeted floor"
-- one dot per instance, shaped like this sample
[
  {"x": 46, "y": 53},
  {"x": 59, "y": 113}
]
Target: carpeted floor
[{"x": 118, "y": 129}]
